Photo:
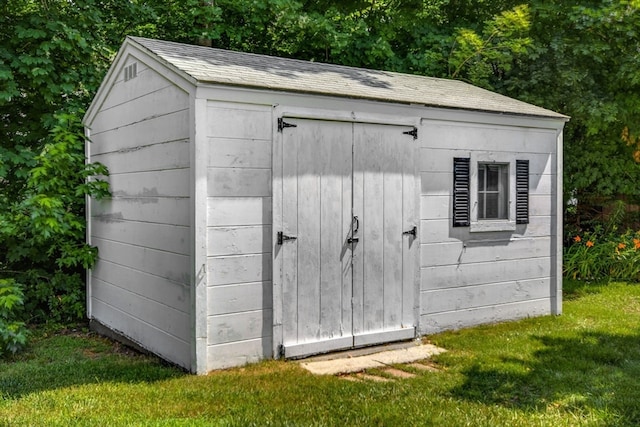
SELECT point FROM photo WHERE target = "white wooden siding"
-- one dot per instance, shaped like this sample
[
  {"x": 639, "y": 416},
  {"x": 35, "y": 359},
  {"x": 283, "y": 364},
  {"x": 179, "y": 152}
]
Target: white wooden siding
[
  {"x": 239, "y": 246},
  {"x": 468, "y": 277},
  {"x": 140, "y": 286}
]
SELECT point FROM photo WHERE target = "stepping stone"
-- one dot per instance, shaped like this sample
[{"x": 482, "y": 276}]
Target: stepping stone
[
  {"x": 423, "y": 367},
  {"x": 374, "y": 378},
  {"x": 398, "y": 373}
]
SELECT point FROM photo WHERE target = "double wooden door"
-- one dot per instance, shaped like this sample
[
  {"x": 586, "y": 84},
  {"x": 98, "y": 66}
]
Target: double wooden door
[{"x": 349, "y": 239}]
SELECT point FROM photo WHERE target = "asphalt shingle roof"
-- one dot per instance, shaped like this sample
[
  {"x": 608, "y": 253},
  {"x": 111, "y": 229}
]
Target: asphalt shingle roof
[{"x": 210, "y": 65}]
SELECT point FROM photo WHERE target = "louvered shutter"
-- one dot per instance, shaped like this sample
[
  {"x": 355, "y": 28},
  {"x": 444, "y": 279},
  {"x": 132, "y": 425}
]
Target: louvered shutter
[
  {"x": 522, "y": 191},
  {"x": 461, "y": 196}
]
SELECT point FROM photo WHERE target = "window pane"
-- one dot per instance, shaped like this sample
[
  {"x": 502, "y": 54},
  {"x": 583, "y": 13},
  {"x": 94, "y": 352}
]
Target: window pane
[
  {"x": 492, "y": 206},
  {"x": 493, "y": 177},
  {"x": 493, "y": 191}
]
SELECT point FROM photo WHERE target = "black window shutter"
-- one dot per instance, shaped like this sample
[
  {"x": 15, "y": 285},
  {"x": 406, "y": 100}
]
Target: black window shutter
[
  {"x": 461, "y": 196},
  {"x": 522, "y": 191}
]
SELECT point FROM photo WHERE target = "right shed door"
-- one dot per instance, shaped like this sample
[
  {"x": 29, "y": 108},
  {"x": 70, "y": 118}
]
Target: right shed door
[{"x": 349, "y": 199}]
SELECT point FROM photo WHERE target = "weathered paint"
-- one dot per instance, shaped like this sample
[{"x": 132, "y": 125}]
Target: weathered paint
[
  {"x": 140, "y": 286},
  {"x": 189, "y": 264}
]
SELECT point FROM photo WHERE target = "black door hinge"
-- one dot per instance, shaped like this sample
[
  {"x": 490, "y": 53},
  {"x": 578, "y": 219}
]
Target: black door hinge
[
  {"x": 413, "y": 232},
  {"x": 282, "y": 124},
  {"x": 283, "y": 237},
  {"x": 413, "y": 132}
]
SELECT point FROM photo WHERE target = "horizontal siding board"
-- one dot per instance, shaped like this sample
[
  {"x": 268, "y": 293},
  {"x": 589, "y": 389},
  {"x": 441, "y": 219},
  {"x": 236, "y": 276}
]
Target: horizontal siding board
[
  {"x": 440, "y": 183},
  {"x": 239, "y": 269},
  {"x": 433, "y": 323},
  {"x": 440, "y": 230},
  {"x": 458, "y": 252},
  {"x": 154, "y": 104},
  {"x": 163, "y": 237},
  {"x": 164, "y": 183},
  {"x": 240, "y": 182},
  {"x": 238, "y": 240},
  {"x": 438, "y": 204},
  {"x": 162, "y": 210},
  {"x": 146, "y": 81},
  {"x": 436, "y": 183},
  {"x": 239, "y": 298},
  {"x": 239, "y": 326},
  {"x": 436, "y": 207},
  {"x": 159, "y": 289},
  {"x": 240, "y": 153},
  {"x": 457, "y": 299},
  {"x": 228, "y": 355},
  {"x": 461, "y": 136},
  {"x": 451, "y": 276},
  {"x": 232, "y": 211},
  {"x": 440, "y": 160},
  {"x": 168, "y": 265},
  {"x": 147, "y": 336},
  {"x": 240, "y": 122},
  {"x": 541, "y": 204},
  {"x": 172, "y": 126},
  {"x": 173, "y": 322},
  {"x": 170, "y": 155}
]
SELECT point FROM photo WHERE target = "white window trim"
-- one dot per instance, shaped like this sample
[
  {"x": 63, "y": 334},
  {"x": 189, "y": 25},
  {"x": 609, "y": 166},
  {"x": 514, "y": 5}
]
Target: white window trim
[{"x": 485, "y": 225}]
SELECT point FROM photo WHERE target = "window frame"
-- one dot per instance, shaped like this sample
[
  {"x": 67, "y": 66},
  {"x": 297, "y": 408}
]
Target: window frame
[
  {"x": 481, "y": 225},
  {"x": 502, "y": 191}
]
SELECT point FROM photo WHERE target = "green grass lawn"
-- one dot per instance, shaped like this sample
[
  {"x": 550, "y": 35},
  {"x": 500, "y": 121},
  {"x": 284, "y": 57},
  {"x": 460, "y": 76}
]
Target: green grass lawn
[{"x": 581, "y": 368}]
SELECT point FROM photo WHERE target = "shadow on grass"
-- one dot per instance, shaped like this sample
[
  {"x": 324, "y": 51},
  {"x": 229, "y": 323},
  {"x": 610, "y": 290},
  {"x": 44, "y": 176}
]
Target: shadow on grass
[
  {"x": 67, "y": 360},
  {"x": 593, "y": 372},
  {"x": 575, "y": 289}
]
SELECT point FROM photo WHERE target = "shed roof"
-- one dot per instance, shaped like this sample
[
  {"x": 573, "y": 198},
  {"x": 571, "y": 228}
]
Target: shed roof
[{"x": 218, "y": 66}]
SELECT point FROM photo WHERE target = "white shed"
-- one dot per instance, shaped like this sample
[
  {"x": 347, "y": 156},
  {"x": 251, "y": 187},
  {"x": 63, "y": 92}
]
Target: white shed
[{"x": 265, "y": 207}]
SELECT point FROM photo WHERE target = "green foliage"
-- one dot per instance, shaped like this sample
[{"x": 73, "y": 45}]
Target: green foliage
[
  {"x": 583, "y": 62},
  {"x": 13, "y": 333},
  {"x": 478, "y": 57},
  {"x": 603, "y": 255},
  {"x": 43, "y": 231}
]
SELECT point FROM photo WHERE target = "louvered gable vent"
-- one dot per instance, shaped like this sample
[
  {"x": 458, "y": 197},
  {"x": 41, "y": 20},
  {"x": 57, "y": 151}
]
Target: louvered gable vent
[
  {"x": 461, "y": 193},
  {"x": 522, "y": 191}
]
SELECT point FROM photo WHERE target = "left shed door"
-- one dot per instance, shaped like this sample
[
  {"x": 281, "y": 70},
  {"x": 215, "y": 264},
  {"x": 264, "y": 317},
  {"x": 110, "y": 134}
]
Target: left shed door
[{"x": 317, "y": 209}]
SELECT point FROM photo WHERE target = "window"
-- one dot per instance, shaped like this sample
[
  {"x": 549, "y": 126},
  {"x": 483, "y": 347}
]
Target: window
[
  {"x": 490, "y": 192},
  {"x": 493, "y": 191}
]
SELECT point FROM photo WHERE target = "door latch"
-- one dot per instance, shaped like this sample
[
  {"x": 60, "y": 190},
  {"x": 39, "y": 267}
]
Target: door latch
[
  {"x": 413, "y": 231},
  {"x": 282, "y": 237},
  {"x": 355, "y": 226}
]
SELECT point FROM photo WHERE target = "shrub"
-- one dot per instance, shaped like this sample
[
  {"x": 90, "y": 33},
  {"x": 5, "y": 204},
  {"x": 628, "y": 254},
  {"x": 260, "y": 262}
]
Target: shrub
[
  {"x": 601, "y": 254},
  {"x": 13, "y": 334},
  {"x": 42, "y": 228}
]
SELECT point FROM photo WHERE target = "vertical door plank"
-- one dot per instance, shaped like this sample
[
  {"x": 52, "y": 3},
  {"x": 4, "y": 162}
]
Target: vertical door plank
[
  {"x": 368, "y": 160},
  {"x": 391, "y": 140},
  {"x": 356, "y": 249},
  {"x": 309, "y": 260},
  {"x": 410, "y": 244},
  {"x": 321, "y": 210},
  {"x": 288, "y": 250},
  {"x": 334, "y": 154}
]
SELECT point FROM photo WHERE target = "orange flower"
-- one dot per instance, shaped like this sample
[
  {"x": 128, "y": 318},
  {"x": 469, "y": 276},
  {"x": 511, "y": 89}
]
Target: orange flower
[
  {"x": 621, "y": 245},
  {"x": 589, "y": 243},
  {"x": 636, "y": 243},
  {"x": 577, "y": 239}
]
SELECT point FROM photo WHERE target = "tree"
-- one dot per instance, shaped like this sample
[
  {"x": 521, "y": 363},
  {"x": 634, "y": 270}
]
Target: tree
[
  {"x": 583, "y": 62},
  {"x": 52, "y": 58}
]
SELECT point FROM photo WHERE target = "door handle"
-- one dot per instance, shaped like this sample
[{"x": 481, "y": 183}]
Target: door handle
[
  {"x": 357, "y": 221},
  {"x": 353, "y": 239},
  {"x": 413, "y": 231}
]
